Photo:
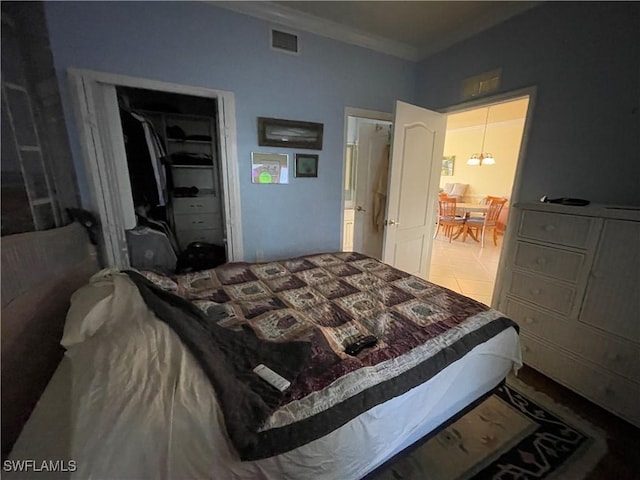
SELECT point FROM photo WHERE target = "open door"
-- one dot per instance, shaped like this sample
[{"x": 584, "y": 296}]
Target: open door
[
  {"x": 99, "y": 124},
  {"x": 373, "y": 152},
  {"x": 416, "y": 161}
]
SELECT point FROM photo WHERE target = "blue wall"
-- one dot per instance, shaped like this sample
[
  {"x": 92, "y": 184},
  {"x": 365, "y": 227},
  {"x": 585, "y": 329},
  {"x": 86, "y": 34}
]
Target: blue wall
[
  {"x": 584, "y": 58},
  {"x": 201, "y": 45}
]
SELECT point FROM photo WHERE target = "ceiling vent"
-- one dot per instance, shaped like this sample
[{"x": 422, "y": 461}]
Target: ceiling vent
[{"x": 284, "y": 41}]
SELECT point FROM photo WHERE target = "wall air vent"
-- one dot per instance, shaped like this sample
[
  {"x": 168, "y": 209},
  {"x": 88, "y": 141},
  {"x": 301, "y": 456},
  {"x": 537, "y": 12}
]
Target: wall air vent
[
  {"x": 482, "y": 84},
  {"x": 284, "y": 41}
]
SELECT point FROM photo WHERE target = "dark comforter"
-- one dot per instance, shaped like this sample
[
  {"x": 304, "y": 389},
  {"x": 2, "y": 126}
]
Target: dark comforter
[{"x": 296, "y": 316}]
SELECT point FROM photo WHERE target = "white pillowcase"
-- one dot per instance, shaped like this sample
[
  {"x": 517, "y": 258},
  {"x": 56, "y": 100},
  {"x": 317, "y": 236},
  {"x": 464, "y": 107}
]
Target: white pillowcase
[
  {"x": 458, "y": 189},
  {"x": 90, "y": 307},
  {"x": 455, "y": 189}
]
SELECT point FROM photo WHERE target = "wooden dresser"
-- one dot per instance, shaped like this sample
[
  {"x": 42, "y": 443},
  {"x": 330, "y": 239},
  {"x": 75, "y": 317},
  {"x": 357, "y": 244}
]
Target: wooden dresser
[{"x": 570, "y": 277}]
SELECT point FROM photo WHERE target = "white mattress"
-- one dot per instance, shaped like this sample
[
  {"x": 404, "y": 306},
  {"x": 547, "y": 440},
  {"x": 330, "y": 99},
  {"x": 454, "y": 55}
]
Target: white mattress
[{"x": 142, "y": 407}]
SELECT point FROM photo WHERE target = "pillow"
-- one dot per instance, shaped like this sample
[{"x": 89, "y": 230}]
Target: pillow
[
  {"x": 448, "y": 187},
  {"x": 90, "y": 308},
  {"x": 458, "y": 189}
]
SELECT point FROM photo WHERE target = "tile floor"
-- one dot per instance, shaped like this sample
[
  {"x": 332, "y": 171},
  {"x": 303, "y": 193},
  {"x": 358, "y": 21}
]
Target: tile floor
[{"x": 465, "y": 267}]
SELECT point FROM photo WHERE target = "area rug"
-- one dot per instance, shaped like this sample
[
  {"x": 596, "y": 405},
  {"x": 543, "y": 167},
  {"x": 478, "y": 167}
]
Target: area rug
[{"x": 516, "y": 433}]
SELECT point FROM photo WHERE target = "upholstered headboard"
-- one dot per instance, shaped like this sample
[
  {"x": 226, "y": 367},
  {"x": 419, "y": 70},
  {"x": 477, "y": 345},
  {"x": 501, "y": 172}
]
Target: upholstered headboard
[{"x": 40, "y": 271}]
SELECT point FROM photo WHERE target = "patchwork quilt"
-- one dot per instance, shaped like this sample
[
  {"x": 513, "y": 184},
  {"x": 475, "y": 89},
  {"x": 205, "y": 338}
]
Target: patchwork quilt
[{"x": 331, "y": 300}]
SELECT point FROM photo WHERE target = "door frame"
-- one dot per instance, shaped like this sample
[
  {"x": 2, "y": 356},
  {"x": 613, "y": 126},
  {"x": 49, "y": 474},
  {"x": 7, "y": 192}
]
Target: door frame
[
  {"x": 108, "y": 196},
  {"x": 528, "y": 121},
  {"x": 531, "y": 92},
  {"x": 361, "y": 113},
  {"x": 471, "y": 104}
]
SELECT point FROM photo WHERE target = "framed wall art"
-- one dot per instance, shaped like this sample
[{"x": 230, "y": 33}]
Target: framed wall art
[
  {"x": 447, "y": 166},
  {"x": 275, "y": 132},
  {"x": 269, "y": 168},
  {"x": 306, "y": 165}
]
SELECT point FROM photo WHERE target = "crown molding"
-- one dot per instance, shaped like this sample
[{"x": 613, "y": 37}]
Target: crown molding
[{"x": 291, "y": 18}]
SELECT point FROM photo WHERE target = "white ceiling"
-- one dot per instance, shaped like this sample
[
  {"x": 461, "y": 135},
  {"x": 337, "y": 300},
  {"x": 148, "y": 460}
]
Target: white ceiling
[{"x": 412, "y": 30}]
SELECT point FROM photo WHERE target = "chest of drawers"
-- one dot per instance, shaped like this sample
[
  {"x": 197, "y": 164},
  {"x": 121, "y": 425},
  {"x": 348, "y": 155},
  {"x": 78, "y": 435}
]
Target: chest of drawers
[
  {"x": 570, "y": 277},
  {"x": 197, "y": 218}
]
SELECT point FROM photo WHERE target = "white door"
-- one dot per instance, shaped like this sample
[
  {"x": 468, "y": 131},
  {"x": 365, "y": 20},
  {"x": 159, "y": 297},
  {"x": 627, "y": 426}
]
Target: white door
[
  {"x": 102, "y": 139},
  {"x": 373, "y": 139},
  {"x": 416, "y": 161}
]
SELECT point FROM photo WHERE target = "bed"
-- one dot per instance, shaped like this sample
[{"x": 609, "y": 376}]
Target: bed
[{"x": 138, "y": 394}]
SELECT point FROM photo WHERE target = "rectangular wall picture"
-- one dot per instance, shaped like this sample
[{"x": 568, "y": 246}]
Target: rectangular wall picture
[
  {"x": 276, "y": 132},
  {"x": 447, "y": 166},
  {"x": 306, "y": 165},
  {"x": 269, "y": 168}
]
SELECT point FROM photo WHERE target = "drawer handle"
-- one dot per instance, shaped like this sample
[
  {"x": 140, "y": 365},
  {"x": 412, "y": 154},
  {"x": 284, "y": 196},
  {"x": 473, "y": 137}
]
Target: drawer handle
[
  {"x": 529, "y": 320},
  {"x": 197, "y": 221},
  {"x": 541, "y": 261},
  {"x": 525, "y": 348},
  {"x": 197, "y": 205},
  {"x": 549, "y": 228},
  {"x": 535, "y": 291}
]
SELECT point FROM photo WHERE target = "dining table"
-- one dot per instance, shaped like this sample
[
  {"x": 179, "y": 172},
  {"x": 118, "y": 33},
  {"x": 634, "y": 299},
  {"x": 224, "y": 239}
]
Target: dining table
[{"x": 465, "y": 209}]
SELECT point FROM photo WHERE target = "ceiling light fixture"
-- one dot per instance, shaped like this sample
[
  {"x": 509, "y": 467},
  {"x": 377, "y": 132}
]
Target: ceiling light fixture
[{"x": 482, "y": 158}]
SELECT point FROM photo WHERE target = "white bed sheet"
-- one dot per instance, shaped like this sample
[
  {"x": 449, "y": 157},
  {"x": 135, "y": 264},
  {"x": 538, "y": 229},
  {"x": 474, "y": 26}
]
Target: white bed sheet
[{"x": 142, "y": 408}]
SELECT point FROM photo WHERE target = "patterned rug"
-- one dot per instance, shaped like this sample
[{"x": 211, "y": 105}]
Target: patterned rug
[{"x": 516, "y": 433}]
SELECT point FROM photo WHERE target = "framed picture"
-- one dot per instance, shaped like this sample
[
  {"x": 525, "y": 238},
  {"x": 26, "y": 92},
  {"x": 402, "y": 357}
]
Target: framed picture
[
  {"x": 275, "y": 132},
  {"x": 306, "y": 165},
  {"x": 447, "y": 166},
  {"x": 269, "y": 168}
]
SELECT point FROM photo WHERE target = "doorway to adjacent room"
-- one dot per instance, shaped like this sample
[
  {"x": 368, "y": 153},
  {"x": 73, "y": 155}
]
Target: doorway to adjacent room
[
  {"x": 494, "y": 131},
  {"x": 495, "y": 126},
  {"x": 367, "y": 164}
]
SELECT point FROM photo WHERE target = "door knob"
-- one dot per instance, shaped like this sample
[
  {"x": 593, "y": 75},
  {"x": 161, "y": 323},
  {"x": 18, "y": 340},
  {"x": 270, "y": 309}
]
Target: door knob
[
  {"x": 360, "y": 209},
  {"x": 390, "y": 222}
]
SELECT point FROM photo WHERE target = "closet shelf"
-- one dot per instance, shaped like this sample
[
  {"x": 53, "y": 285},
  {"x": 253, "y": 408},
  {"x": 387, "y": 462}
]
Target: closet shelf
[
  {"x": 179, "y": 165},
  {"x": 197, "y": 142},
  {"x": 203, "y": 192}
]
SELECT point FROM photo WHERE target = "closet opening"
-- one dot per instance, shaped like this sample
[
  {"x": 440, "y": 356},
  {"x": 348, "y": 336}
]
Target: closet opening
[{"x": 173, "y": 162}]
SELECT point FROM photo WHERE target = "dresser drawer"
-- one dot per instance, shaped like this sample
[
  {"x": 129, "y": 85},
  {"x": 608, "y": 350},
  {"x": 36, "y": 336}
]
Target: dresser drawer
[
  {"x": 190, "y": 205},
  {"x": 212, "y": 235},
  {"x": 570, "y": 230},
  {"x": 560, "y": 264},
  {"x": 199, "y": 176},
  {"x": 199, "y": 221},
  {"x": 617, "y": 356},
  {"x": 543, "y": 292},
  {"x": 616, "y": 394}
]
